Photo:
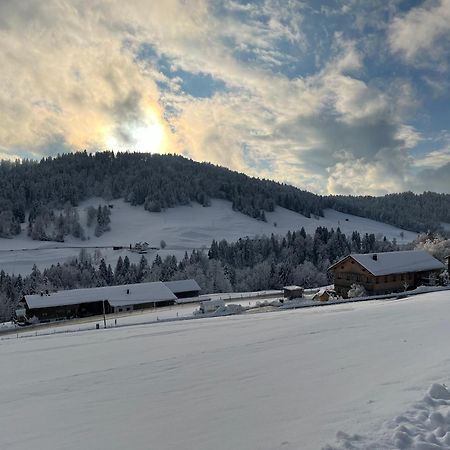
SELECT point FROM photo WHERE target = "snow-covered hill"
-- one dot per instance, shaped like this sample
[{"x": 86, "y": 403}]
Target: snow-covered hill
[
  {"x": 182, "y": 228},
  {"x": 284, "y": 380}
]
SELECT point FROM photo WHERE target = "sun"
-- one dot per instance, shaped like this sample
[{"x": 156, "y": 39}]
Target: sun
[{"x": 146, "y": 135}]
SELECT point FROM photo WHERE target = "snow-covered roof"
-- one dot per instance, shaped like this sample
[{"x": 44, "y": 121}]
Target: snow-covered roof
[
  {"x": 115, "y": 295},
  {"x": 292, "y": 288},
  {"x": 217, "y": 301},
  {"x": 182, "y": 286},
  {"x": 395, "y": 262}
]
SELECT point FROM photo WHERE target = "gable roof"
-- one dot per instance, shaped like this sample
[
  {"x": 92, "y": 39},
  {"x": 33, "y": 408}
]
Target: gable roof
[
  {"x": 115, "y": 295},
  {"x": 395, "y": 262},
  {"x": 182, "y": 286}
]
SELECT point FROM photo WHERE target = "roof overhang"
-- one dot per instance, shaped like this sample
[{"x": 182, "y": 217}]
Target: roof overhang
[{"x": 340, "y": 261}]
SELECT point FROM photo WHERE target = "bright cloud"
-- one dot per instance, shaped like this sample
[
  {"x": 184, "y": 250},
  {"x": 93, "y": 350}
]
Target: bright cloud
[
  {"x": 423, "y": 32},
  {"x": 436, "y": 159}
]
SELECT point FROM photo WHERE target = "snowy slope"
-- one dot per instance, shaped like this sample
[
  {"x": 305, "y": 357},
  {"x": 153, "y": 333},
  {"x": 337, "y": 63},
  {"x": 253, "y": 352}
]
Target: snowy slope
[
  {"x": 285, "y": 380},
  {"x": 182, "y": 228},
  {"x": 424, "y": 426}
]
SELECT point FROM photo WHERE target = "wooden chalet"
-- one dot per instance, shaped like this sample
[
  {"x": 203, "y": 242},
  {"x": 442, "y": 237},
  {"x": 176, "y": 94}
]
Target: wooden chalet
[{"x": 383, "y": 273}]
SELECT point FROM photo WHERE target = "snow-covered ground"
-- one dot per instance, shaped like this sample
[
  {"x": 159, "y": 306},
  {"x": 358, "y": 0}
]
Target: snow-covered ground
[
  {"x": 340, "y": 376},
  {"x": 182, "y": 228},
  {"x": 424, "y": 426}
]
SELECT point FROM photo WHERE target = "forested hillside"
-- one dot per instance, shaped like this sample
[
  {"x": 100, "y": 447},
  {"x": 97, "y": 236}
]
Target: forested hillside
[
  {"x": 162, "y": 181},
  {"x": 407, "y": 210}
]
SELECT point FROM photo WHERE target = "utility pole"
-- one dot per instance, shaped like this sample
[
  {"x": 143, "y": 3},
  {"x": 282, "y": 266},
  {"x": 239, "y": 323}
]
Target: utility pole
[{"x": 104, "y": 315}]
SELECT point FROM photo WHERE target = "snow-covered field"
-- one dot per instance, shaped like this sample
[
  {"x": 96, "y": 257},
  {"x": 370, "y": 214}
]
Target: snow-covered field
[
  {"x": 182, "y": 228},
  {"x": 344, "y": 376}
]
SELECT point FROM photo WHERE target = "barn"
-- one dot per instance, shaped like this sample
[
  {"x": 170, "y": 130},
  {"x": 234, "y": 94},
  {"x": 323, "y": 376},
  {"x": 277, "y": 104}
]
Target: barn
[
  {"x": 94, "y": 301},
  {"x": 383, "y": 273}
]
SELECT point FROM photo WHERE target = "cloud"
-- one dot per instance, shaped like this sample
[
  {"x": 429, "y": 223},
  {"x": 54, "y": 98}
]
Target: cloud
[
  {"x": 299, "y": 129},
  {"x": 436, "y": 158},
  {"x": 66, "y": 74},
  {"x": 432, "y": 179},
  {"x": 359, "y": 177},
  {"x": 423, "y": 34}
]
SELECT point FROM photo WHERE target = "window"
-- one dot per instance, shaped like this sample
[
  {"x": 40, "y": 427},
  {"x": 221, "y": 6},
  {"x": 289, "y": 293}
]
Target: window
[{"x": 386, "y": 279}]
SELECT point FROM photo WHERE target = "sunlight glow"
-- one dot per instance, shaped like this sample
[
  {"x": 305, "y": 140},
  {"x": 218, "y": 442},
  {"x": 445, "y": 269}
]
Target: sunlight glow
[{"x": 145, "y": 136}]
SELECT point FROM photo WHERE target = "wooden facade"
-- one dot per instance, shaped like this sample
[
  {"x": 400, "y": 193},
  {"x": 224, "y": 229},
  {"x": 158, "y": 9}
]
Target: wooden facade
[
  {"x": 349, "y": 271},
  {"x": 63, "y": 312},
  {"x": 324, "y": 296}
]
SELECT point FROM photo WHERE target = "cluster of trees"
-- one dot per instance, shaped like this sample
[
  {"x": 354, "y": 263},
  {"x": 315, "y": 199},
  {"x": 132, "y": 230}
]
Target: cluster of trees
[
  {"x": 246, "y": 265},
  {"x": 45, "y": 224},
  {"x": 9, "y": 224},
  {"x": 162, "y": 181},
  {"x": 101, "y": 217},
  {"x": 435, "y": 244}
]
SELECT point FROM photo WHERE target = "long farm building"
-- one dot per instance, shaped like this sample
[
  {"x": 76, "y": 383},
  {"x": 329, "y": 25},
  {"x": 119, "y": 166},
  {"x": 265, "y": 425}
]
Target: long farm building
[{"x": 48, "y": 306}]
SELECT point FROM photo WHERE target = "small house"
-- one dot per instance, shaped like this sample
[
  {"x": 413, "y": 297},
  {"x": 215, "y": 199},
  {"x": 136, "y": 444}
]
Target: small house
[
  {"x": 324, "y": 295},
  {"x": 211, "y": 306},
  {"x": 291, "y": 292}
]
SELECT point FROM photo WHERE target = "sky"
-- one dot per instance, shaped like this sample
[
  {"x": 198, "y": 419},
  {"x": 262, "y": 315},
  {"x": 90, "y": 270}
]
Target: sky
[{"x": 335, "y": 97}]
